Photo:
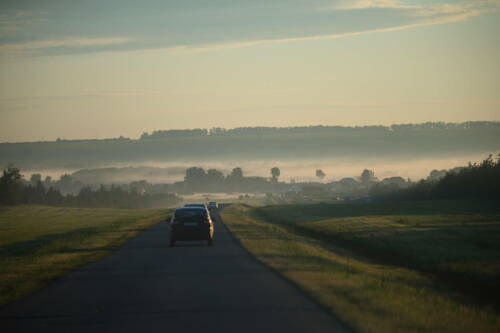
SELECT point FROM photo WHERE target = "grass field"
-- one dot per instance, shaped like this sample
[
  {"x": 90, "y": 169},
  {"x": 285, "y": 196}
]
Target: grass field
[
  {"x": 39, "y": 243},
  {"x": 409, "y": 267}
]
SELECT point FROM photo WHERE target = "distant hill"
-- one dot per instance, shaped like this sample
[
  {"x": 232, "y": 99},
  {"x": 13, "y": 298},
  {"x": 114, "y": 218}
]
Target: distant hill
[{"x": 261, "y": 143}]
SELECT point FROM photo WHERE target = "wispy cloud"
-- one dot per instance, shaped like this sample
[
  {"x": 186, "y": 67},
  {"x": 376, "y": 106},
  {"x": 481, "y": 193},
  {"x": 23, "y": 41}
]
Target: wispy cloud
[
  {"x": 30, "y": 48},
  {"x": 425, "y": 15},
  {"x": 445, "y": 8},
  {"x": 239, "y": 44},
  {"x": 366, "y": 4}
]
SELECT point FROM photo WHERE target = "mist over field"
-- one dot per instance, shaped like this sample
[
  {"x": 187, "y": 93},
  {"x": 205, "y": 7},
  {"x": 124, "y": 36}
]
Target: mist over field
[{"x": 292, "y": 170}]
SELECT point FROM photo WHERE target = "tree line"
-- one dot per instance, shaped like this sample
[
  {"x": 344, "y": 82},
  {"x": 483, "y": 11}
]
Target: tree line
[
  {"x": 15, "y": 191},
  {"x": 477, "y": 180},
  {"x": 219, "y": 131}
]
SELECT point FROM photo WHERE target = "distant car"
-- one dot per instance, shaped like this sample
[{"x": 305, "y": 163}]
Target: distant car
[
  {"x": 191, "y": 224},
  {"x": 198, "y": 205},
  {"x": 213, "y": 205}
]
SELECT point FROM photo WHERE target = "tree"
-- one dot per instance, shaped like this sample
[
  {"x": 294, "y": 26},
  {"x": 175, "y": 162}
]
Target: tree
[
  {"x": 65, "y": 184},
  {"x": 436, "y": 175},
  {"x": 48, "y": 181},
  {"x": 54, "y": 197},
  {"x": 275, "y": 173},
  {"x": 194, "y": 174},
  {"x": 367, "y": 176},
  {"x": 35, "y": 178},
  {"x": 320, "y": 174},
  {"x": 236, "y": 173},
  {"x": 215, "y": 176},
  {"x": 195, "y": 178},
  {"x": 10, "y": 186},
  {"x": 40, "y": 193}
]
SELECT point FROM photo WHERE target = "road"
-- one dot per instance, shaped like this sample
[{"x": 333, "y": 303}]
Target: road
[{"x": 147, "y": 286}]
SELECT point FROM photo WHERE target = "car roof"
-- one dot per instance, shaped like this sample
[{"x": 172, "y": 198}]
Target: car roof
[{"x": 190, "y": 208}]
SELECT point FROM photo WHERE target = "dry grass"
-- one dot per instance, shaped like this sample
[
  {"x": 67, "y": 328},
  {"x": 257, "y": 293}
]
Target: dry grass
[
  {"x": 368, "y": 293},
  {"x": 38, "y": 243}
]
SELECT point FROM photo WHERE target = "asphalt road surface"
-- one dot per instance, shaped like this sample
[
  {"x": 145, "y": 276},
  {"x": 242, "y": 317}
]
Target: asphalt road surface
[{"x": 147, "y": 286}]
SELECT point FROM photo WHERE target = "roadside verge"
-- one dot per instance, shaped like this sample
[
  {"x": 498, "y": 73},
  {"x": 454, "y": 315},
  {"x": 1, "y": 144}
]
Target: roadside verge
[
  {"x": 40, "y": 243},
  {"x": 368, "y": 295}
]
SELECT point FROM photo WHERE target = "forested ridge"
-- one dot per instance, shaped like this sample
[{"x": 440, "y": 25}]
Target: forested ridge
[{"x": 247, "y": 143}]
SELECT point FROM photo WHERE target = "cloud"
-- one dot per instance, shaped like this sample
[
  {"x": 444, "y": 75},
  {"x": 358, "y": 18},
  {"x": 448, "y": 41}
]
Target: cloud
[
  {"x": 30, "y": 48},
  {"x": 239, "y": 44},
  {"x": 404, "y": 15},
  {"x": 456, "y": 7},
  {"x": 426, "y": 15},
  {"x": 366, "y": 4}
]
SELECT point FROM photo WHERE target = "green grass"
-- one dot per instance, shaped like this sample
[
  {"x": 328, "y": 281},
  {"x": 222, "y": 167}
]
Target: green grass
[
  {"x": 39, "y": 243},
  {"x": 321, "y": 211},
  {"x": 393, "y": 271}
]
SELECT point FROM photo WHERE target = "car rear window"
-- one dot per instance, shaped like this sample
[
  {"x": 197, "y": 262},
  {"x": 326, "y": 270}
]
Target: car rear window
[{"x": 189, "y": 213}]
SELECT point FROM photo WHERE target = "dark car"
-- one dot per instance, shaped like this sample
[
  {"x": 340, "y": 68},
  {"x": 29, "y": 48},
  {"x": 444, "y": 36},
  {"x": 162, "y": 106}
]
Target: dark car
[
  {"x": 200, "y": 205},
  {"x": 213, "y": 205},
  {"x": 190, "y": 224}
]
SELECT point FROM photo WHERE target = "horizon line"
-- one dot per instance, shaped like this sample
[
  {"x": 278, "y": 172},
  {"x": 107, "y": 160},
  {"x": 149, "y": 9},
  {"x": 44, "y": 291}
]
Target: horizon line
[{"x": 121, "y": 137}]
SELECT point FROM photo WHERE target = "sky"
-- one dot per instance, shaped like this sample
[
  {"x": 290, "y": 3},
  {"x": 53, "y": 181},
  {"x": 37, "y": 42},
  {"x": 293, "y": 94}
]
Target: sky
[{"x": 110, "y": 68}]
